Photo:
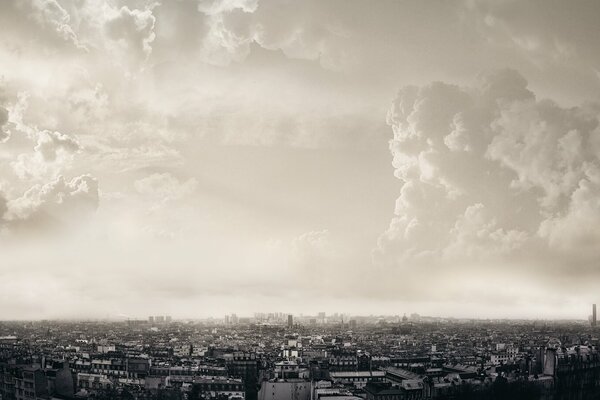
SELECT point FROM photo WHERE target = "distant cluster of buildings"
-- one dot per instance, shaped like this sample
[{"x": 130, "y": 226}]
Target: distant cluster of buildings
[
  {"x": 282, "y": 356},
  {"x": 160, "y": 319}
]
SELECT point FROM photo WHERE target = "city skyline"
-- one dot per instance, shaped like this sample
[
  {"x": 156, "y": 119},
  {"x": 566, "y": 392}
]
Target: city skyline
[{"x": 202, "y": 157}]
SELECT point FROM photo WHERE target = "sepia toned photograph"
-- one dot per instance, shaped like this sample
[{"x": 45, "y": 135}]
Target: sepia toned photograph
[{"x": 299, "y": 199}]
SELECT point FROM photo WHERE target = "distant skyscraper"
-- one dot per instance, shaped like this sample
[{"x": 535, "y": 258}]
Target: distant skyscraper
[
  {"x": 290, "y": 320},
  {"x": 168, "y": 319},
  {"x": 593, "y": 315},
  {"x": 159, "y": 319},
  {"x": 151, "y": 319},
  {"x": 321, "y": 317}
]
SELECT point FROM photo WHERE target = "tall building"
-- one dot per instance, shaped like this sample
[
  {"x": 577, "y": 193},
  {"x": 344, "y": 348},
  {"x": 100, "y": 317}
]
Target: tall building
[
  {"x": 168, "y": 319},
  {"x": 151, "y": 319},
  {"x": 321, "y": 317},
  {"x": 245, "y": 366},
  {"x": 593, "y": 315},
  {"x": 159, "y": 319},
  {"x": 290, "y": 321}
]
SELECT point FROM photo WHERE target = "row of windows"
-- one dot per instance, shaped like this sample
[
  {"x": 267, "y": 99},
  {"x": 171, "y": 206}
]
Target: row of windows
[
  {"x": 220, "y": 387},
  {"x": 361, "y": 379},
  {"x": 94, "y": 385}
]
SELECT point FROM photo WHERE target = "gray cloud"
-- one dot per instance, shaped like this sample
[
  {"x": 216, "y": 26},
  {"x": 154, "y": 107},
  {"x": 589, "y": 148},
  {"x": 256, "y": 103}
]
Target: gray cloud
[
  {"x": 3, "y": 120},
  {"x": 3, "y": 206}
]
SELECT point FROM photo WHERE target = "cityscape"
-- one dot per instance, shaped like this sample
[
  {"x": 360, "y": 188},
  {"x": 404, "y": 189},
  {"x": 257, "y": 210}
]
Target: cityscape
[
  {"x": 278, "y": 356},
  {"x": 299, "y": 199}
]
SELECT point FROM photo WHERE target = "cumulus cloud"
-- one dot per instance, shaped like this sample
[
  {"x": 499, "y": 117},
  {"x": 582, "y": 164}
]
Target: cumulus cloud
[
  {"x": 132, "y": 29},
  {"x": 223, "y": 94},
  {"x": 52, "y": 152},
  {"x": 491, "y": 173},
  {"x": 50, "y": 144},
  {"x": 233, "y": 26},
  {"x": 59, "y": 203}
]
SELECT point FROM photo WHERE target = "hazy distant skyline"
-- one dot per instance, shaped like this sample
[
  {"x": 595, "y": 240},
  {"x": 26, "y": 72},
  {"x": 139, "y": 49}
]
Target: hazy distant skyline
[{"x": 197, "y": 158}]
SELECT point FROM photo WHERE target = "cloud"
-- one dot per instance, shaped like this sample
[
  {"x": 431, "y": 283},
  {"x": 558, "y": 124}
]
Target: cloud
[
  {"x": 492, "y": 176},
  {"x": 57, "y": 204},
  {"x": 524, "y": 31},
  {"x": 165, "y": 187},
  {"x": 52, "y": 152},
  {"x": 575, "y": 228},
  {"x": 132, "y": 29},
  {"x": 50, "y": 144},
  {"x": 230, "y": 91},
  {"x": 51, "y": 15},
  {"x": 212, "y": 7},
  {"x": 39, "y": 29},
  {"x": 4, "y": 135},
  {"x": 220, "y": 33},
  {"x": 310, "y": 248},
  {"x": 3, "y": 206}
]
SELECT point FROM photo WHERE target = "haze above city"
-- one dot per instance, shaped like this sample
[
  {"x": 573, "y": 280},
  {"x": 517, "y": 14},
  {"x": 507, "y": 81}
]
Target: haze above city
[{"x": 200, "y": 158}]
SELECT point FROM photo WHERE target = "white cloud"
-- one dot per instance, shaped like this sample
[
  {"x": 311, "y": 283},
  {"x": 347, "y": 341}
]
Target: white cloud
[
  {"x": 60, "y": 203},
  {"x": 53, "y": 152},
  {"x": 164, "y": 187},
  {"x": 51, "y": 144},
  {"x": 132, "y": 29},
  {"x": 236, "y": 121},
  {"x": 491, "y": 174},
  {"x": 49, "y": 13}
]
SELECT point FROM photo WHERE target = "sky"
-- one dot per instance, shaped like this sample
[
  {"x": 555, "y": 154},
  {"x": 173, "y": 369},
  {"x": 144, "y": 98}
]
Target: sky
[{"x": 202, "y": 157}]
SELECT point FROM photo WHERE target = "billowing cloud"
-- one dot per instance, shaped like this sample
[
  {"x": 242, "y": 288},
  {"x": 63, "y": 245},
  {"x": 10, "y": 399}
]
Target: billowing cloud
[
  {"x": 50, "y": 144},
  {"x": 490, "y": 174},
  {"x": 234, "y": 26},
  {"x": 60, "y": 203},
  {"x": 210, "y": 124},
  {"x": 133, "y": 29},
  {"x": 52, "y": 152}
]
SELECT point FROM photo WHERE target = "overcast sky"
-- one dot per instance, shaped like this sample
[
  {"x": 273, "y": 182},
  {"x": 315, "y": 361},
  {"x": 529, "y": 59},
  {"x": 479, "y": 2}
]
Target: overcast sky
[{"x": 197, "y": 158}]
